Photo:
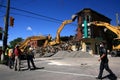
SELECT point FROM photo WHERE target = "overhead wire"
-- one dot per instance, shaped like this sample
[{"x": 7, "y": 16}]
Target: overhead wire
[
  {"x": 32, "y": 13},
  {"x": 47, "y": 18},
  {"x": 35, "y": 17},
  {"x": 40, "y": 18}
]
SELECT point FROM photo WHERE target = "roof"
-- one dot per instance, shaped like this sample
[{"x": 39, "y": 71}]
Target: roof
[{"x": 87, "y": 10}]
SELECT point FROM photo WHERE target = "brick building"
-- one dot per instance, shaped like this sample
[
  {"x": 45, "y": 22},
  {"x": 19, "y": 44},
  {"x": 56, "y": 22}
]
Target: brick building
[{"x": 94, "y": 35}]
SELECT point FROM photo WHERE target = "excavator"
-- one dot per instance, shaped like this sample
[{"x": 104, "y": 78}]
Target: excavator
[
  {"x": 57, "y": 40},
  {"x": 26, "y": 41},
  {"x": 115, "y": 29},
  {"x": 23, "y": 45}
]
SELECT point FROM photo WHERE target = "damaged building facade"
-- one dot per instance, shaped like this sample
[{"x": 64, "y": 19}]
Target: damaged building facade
[{"x": 89, "y": 36}]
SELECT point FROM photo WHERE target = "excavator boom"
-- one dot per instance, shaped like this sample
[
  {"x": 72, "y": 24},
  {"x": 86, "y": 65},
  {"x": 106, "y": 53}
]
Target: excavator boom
[
  {"x": 26, "y": 41},
  {"x": 60, "y": 29},
  {"x": 57, "y": 40},
  {"x": 114, "y": 29}
]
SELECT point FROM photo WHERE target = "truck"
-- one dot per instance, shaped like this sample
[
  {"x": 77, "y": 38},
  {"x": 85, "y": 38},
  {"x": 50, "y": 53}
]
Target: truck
[{"x": 115, "y": 29}]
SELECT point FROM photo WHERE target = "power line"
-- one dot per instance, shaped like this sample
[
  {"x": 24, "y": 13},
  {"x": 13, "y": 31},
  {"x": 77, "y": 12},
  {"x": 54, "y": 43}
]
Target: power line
[
  {"x": 47, "y": 18},
  {"x": 32, "y": 13},
  {"x": 36, "y": 18}
]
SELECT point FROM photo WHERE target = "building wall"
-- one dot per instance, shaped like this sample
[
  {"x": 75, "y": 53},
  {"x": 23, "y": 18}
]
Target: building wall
[
  {"x": 37, "y": 43},
  {"x": 33, "y": 43},
  {"x": 97, "y": 34}
]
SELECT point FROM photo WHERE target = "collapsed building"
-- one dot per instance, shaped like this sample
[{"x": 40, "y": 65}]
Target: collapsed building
[{"x": 87, "y": 36}]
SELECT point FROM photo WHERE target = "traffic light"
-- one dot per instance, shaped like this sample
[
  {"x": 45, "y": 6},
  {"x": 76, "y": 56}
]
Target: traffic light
[
  {"x": 11, "y": 21},
  {"x": 86, "y": 30}
]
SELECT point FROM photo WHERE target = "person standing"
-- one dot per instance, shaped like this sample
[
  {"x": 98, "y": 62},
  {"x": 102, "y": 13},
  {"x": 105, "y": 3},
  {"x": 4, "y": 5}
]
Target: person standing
[
  {"x": 6, "y": 56},
  {"x": 30, "y": 56},
  {"x": 17, "y": 53},
  {"x": 104, "y": 61},
  {"x": 11, "y": 62}
]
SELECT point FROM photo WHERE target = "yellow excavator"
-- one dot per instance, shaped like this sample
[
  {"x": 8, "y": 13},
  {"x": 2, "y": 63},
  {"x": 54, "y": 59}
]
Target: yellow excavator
[
  {"x": 26, "y": 41},
  {"x": 115, "y": 29},
  {"x": 57, "y": 40}
]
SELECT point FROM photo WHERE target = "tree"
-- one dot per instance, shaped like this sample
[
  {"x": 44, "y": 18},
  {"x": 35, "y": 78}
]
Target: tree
[{"x": 16, "y": 41}]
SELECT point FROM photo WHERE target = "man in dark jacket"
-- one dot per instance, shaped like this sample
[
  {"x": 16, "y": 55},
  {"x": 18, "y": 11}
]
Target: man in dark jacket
[
  {"x": 104, "y": 61},
  {"x": 30, "y": 56}
]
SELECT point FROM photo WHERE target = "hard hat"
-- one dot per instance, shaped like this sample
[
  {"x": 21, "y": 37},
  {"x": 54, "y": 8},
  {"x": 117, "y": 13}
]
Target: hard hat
[{"x": 30, "y": 48}]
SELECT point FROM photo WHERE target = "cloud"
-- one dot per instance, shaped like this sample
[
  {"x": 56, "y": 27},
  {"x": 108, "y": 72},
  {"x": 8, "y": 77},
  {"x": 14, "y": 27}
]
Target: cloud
[{"x": 29, "y": 28}]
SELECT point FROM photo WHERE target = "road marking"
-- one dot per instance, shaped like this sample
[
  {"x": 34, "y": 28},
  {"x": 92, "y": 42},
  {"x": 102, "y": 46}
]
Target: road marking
[
  {"x": 58, "y": 63},
  {"x": 68, "y": 73}
]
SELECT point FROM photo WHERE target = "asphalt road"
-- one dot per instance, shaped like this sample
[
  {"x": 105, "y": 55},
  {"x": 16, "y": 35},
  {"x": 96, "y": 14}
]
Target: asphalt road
[{"x": 61, "y": 69}]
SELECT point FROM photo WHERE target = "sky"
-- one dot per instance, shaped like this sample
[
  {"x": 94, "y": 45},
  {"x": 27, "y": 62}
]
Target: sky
[{"x": 43, "y": 17}]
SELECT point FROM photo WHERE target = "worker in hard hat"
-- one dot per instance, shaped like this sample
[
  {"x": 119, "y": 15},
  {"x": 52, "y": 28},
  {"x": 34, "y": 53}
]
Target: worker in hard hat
[{"x": 30, "y": 56}]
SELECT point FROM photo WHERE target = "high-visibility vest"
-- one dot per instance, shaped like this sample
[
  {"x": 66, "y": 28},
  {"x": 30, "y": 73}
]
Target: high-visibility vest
[
  {"x": 6, "y": 51},
  {"x": 10, "y": 52}
]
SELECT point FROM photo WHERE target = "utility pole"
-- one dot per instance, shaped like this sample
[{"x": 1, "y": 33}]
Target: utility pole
[{"x": 5, "y": 37}]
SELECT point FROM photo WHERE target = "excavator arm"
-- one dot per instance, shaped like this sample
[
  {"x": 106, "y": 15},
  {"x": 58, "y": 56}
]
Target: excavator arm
[
  {"x": 26, "y": 41},
  {"x": 57, "y": 40},
  {"x": 62, "y": 26},
  {"x": 60, "y": 29},
  {"x": 114, "y": 29},
  {"x": 47, "y": 40}
]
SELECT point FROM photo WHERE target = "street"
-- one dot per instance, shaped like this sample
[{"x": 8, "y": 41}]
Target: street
[{"x": 56, "y": 68}]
